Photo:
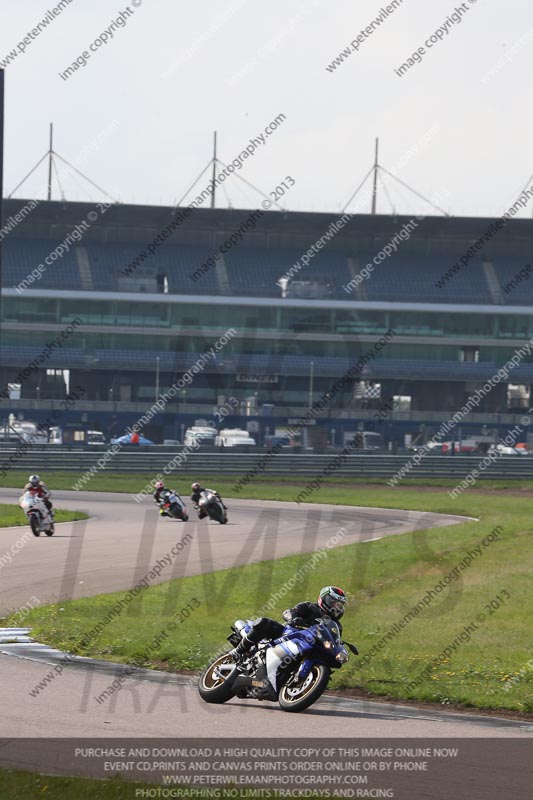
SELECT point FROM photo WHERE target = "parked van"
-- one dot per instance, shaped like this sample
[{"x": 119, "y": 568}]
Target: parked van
[
  {"x": 73, "y": 435},
  {"x": 364, "y": 440},
  {"x": 234, "y": 437},
  {"x": 23, "y": 431},
  {"x": 200, "y": 436}
]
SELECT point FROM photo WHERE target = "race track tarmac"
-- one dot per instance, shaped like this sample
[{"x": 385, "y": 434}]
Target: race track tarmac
[{"x": 113, "y": 550}]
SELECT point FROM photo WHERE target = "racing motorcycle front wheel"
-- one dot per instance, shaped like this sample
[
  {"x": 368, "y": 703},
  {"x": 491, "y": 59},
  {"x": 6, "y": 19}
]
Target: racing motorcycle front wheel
[
  {"x": 297, "y": 695},
  {"x": 216, "y": 514},
  {"x": 35, "y": 525},
  {"x": 177, "y": 513},
  {"x": 214, "y": 686}
]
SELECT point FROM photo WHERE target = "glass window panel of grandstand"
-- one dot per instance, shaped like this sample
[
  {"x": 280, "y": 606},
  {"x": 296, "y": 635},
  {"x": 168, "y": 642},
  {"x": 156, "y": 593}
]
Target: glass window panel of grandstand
[
  {"x": 516, "y": 326},
  {"x": 425, "y": 352},
  {"x": 110, "y": 312},
  {"x": 353, "y": 322},
  {"x": 305, "y": 320},
  {"x": 439, "y": 324},
  {"x": 20, "y": 309},
  {"x": 221, "y": 317},
  {"x": 144, "y": 314}
]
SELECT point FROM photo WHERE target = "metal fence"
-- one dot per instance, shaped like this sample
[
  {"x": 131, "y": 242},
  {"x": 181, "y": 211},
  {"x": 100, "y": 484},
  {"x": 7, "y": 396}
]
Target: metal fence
[{"x": 154, "y": 460}]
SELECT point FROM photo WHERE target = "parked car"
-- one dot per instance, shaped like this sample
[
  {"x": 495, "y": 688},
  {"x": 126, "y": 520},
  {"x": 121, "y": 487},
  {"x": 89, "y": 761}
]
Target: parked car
[
  {"x": 277, "y": 442},
  {"x": 476, "y": 444},
  {"x": 504, "y": 450},
  {"x": 126, "y": 439},
  {"x": 434, "y": 448}
]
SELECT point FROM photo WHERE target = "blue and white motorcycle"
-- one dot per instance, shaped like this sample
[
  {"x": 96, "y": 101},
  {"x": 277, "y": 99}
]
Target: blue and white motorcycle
[{"x": 293, "y": 670}]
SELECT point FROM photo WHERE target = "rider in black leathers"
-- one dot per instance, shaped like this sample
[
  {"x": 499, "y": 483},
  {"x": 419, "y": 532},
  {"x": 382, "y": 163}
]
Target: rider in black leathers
[
  {"x": 331, "y": 604},
  {"x": 195, "y": 496}
]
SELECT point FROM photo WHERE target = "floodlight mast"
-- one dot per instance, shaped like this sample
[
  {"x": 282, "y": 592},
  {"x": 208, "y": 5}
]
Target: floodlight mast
[
  {"x": 375, "y": 184},
  {"x": 213, "y": 187},
  {"x": 50, "y": 161},
  {"x": 2, "y": 75}
]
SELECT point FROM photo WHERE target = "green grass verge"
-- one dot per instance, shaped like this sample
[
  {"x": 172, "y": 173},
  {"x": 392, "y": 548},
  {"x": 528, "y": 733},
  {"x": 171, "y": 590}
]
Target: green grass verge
[
  {"x": 17, "y": 785},
  {"x": 13, "y": 515},
  {"x": 264, "y": 488},
  {"x": 385, "y": 578}
]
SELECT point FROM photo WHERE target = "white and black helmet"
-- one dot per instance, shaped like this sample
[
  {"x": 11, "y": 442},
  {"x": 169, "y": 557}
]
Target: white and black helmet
[
  {"x": 34, "y": 480},
  {"x": 332, "y": 601}
]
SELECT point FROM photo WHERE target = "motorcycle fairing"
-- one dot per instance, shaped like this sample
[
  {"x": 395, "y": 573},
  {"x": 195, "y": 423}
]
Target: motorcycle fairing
[
  {"x": 33, "y": 504},
  {"x": 274, "y": 657},
  {"x": 282, "y": 653},
  {"x": 207, "y": 497},
  {"x": 305, "y": 669}
]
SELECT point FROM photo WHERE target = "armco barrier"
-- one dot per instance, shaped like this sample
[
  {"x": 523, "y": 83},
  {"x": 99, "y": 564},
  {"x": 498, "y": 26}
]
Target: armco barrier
[{"x": 363, "y": 465}]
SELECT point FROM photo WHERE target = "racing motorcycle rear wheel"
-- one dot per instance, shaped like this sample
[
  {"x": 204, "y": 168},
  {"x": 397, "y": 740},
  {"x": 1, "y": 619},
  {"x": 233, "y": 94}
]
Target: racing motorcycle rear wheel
[
  {"x": 297, "y": 695},
  {"x": 213, "y": 686}
]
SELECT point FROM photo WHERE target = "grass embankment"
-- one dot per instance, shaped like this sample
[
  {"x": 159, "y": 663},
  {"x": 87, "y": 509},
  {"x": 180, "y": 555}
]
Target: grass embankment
[
  {"x": 13, "y": 515},
  {"x": 16, "y": 785},
  {"x": 386, "y": 579},
  {"x": 267, "y": 487}
]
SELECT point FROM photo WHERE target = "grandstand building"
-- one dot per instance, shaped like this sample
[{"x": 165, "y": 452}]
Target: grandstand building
[{"x": 308, "y": 295}]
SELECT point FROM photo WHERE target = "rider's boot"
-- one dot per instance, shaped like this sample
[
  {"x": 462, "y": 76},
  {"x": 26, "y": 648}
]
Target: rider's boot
[{"x": 242, "y": 649}]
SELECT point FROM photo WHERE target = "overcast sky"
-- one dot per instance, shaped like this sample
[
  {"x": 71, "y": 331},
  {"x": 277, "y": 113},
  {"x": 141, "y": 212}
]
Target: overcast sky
[{"x": 139, "y": 117}]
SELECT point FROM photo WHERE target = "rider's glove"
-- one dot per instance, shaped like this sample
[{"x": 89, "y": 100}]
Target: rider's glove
[{"x": 287, "y": 616}]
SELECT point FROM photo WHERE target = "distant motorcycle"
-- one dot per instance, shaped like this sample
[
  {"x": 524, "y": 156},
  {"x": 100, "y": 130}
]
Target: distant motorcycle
[
  {"x": 173, "y": 505},
  {"x": 37, "y": 514},
  {"x": 211, "y": 503},
  {"x": 293, "y": 670}
]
